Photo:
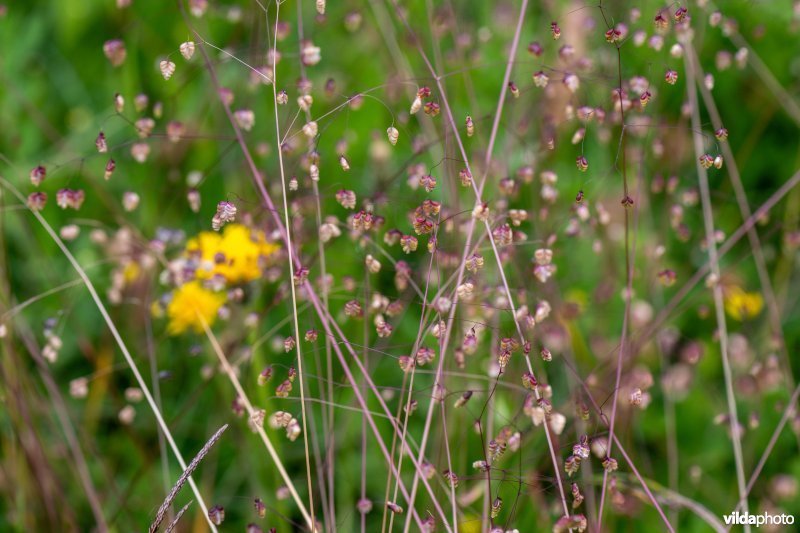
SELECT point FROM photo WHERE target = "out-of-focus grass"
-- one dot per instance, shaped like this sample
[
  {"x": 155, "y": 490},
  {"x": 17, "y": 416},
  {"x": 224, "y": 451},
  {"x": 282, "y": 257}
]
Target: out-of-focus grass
[{"x": 56, "y": 94}]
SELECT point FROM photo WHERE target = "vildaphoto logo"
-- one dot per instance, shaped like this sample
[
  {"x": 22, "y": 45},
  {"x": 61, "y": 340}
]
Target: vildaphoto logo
[{"x": 758, "y": 520}]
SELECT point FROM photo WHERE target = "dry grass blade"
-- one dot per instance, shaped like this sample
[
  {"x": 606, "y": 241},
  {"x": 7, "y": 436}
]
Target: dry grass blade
[
  {"x": 174, "y": 523},
  {"x": 182, "y": 480}
]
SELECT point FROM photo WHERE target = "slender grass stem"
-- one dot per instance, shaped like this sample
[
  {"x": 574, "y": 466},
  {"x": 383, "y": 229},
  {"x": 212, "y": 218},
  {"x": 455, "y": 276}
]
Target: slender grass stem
[
  {"x": 708, "y": 220},
  {"x": 251, "y": 412}
]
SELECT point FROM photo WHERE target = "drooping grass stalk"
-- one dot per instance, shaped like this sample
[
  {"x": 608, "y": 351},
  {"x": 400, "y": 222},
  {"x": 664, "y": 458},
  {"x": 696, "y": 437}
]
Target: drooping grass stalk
[
  {"x": 13, "y": 311},
  {"x": 120, "y": 343},
  {"x": 231, "y": 374},
  {"x": 708, "y": 221},
  {"x": 389, "y": 35},
  {"x": 173, "y": 493}
]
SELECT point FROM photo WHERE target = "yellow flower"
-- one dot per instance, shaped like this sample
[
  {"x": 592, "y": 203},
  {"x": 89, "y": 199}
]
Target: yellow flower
[
  {"x": 742, "y": 305},
  {"x": 131, "y": 272},
  {"x": 235, "y": 254},
  {"x": 470, "y": 524},
  {"x": 190, "y": 302},
  {"x": 156, "y": 309}
]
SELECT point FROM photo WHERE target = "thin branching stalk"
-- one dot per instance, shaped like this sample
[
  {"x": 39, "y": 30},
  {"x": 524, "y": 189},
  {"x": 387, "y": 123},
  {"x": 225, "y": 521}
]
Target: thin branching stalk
[
  {"x": 362, "y": 402},
  {"x": 491, "y": 387},
  {"x": 391, "y": 458},
  {"x": 330, "y": 326},
  {"x": 365, "y": 358},
  {"x": 363, "y": 417},
  {"x": 453, "y": 503},
  {"x": 628, "y": 277}
]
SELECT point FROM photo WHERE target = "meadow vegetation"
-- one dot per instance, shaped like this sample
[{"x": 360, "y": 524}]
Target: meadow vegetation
[{"x": 398, "y": 265}]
